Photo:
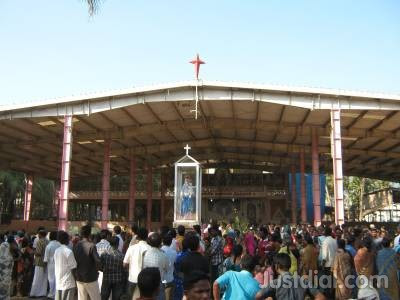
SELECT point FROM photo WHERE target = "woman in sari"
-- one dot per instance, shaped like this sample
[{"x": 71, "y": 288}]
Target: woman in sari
[
  {"x": 364, "y": 259},
  {"x": 250, "y": 242},
  {"x": 342, "y": 267},
  {"x": 6, "y": 268},
  {"x": 387, "y": 263}
]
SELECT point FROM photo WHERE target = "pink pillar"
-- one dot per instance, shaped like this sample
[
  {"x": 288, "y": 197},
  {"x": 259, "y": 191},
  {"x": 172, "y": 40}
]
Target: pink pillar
[
  {"x": 303, "y": 188},
  {"x": 106, "y": 184},
  {"x": 149, "y": 194},
  {"x": 65, "y": 173},
  {"x": 336, "y": 148},
  {"x": 132, "y": 190},
  {"x": 28, "y": 196},
  {"x": 163, "y": 191},
  {"x": 315, "y": 178},
  {"x": 293, "y": 194}
]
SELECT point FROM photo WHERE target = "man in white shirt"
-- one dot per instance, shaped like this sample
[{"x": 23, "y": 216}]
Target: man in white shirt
[
  {"x": 156, "y": 258},
  {"x": 64, "y": 263},
  {"x": 169, "y": 276},
  {"x": 134, "y": 260},
  {"x": 49, "y": 259},
  {"x": 328, "y": 249}
]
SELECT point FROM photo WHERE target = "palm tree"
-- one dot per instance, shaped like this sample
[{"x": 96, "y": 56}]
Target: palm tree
[{"x": 93, "y": 6}]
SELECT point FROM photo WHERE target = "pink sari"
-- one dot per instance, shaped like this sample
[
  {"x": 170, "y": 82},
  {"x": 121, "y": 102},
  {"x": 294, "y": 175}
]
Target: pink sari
[{"x": 250, "y": 243}]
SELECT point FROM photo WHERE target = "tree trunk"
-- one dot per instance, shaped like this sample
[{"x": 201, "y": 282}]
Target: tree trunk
[{"x": 360, "y": 202}]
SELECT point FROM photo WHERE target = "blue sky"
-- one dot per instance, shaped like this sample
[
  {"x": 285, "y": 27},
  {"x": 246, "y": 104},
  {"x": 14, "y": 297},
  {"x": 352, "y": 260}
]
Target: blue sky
[{"x": 53, "y": 48}]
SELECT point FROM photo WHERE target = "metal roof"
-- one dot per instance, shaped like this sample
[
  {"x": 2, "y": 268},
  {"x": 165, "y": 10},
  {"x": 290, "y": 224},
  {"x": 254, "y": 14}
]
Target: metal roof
[{"x": 240, "y": 125}]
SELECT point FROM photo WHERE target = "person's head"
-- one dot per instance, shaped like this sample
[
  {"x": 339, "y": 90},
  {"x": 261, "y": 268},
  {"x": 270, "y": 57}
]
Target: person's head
[
  {"x": 248, "y": 263},
  {"x": 85, "y": 231},
  {"x": 282, "y": 262},
  {"x": 53, "y": 235},
  {"x": 308, "y": 239},
  {"x": 134, "y": 229},
  {"x": 374, "y": 232},
  {"x": 197, "y": 229},
  {"x": 40, "y": 228},
  {"x": 192, "y": 241},
  {"x": 328, "y": 231},
  {"x": 341, "y": 244},
  {"x": 385, "y": 242},
  {"x": 63, "y": 237},
  {"x": 42, "y": 233},
  {"x": 167, "y": 240},
  {"x": 197, "y": 286},
  {"x": 275, "y": 238},
  {"x": 154, "y": 240},
  {"x": 237, "y": 250},
  {"x": 149, "y": 282},
  {"x": 117, "y": 229},
  {"x": 181, "y": 230},
  {"x": 172, "y": 233},
  {"x": 142, "y": 234},
  {"x": 114, "y": 242},
  {"x": 105, "y": 234},
  {"x": 367, "y": 243}
]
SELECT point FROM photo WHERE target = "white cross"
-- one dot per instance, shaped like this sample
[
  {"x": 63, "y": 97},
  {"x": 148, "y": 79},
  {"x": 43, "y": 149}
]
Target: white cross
[{"x": 187, "y": 148}]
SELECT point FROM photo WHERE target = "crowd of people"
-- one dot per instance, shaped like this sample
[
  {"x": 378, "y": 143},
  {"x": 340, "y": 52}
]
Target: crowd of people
[{"x": 210, "y": 262}]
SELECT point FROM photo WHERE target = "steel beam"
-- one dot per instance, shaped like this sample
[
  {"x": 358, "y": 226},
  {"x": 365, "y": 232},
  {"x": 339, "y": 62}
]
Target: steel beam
[
  {"x": 149, "y": 195},
  {"x": 105, "y": 184},
  {"x": 65, "y": 173},
  {"x": 303, "y": 188},
  {"x": 315, "y": 180},
  {"x": 132, "y": 190},
  {"x": 163, "y": 191},
  {"x": 336, "y": 146},
  {"x": 293, "y": 194}
]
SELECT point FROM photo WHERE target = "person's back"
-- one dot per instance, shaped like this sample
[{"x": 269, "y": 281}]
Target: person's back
[
  {"x": 64, "y": 264},
  {"x": 194, "y": 260},
  {"x": 238, "y": 285},
  {"x": 84, "y": 252}
]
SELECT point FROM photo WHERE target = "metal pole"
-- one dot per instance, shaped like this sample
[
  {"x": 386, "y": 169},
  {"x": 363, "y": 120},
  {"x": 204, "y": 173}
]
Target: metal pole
[
  {"x": 163, "y": 191},
  {"x": 28, "y": 196},
  {"x": 293, "y": 194},
  {"x": 336, "y": 147},
  {"x": 149, "y": 194},
  {"x": 303, "y": 188},
  {"x": 132, "y": 191},
  {"x": 106, "y": 184},
  {"x": 315, "y": 178},
  {"x": 65, "y": 173}
]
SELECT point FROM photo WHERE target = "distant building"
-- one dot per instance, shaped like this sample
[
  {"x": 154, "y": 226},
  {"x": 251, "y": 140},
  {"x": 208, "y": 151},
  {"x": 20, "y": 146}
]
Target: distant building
[{"x": 382, "y": 206}]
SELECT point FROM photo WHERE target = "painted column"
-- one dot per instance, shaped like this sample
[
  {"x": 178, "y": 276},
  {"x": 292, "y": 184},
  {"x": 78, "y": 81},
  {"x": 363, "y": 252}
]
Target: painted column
[
  {"x": 315, "y": 178},
  {"x": 293, "y": 194},
  {"x": 65, "y": 173},
  {"x": 28, "y": 196},
  {"x": 149, "y": 194},
  {"x": 336, "y": 148},
  {"x": 303, "y": 188},
  {"x": 106, "y": 184},
  {"x": 132, "y": 191},
  {"x": 163, "y": 191}
]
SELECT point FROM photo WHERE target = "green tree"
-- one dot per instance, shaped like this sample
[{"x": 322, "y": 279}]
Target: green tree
[{"x": 12, "y": 187}]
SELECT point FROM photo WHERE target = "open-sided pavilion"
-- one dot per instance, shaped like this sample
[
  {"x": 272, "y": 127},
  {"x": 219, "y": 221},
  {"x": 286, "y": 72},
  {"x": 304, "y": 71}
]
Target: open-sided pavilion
[{"x": 238, "y": 125}]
